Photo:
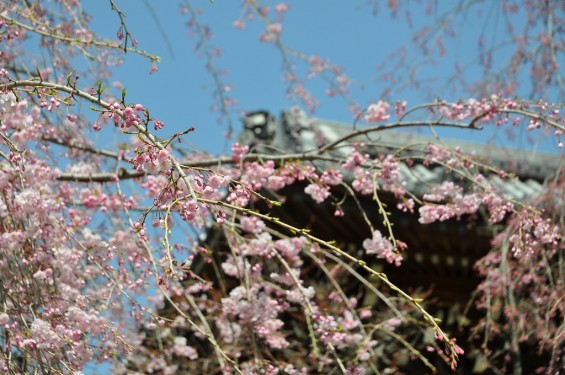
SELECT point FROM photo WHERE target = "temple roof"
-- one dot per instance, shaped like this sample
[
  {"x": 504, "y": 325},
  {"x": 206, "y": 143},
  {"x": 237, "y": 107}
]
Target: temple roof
[{"x": 294, "y": 132}]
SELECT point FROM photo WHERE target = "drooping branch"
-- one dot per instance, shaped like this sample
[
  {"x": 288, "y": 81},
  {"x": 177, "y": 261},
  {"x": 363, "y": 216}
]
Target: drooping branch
[{"x": 53, "y": 34}]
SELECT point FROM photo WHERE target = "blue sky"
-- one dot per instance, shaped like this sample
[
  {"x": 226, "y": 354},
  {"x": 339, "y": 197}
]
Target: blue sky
[{"x": 349, "y": 35}]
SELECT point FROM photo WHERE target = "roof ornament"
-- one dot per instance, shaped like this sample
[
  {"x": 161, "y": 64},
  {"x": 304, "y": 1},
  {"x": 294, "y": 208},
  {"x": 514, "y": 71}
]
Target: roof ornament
[{"x": 259, "y": 127}]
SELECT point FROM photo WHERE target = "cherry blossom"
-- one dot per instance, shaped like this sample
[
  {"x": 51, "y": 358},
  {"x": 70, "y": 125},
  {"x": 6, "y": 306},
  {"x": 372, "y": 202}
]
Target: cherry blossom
[{"x": 156, "y": 258}]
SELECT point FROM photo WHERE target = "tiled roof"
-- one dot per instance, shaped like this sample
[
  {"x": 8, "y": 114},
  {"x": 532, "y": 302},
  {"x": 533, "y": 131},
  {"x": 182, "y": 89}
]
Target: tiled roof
[{"x": 295, "y": 132}]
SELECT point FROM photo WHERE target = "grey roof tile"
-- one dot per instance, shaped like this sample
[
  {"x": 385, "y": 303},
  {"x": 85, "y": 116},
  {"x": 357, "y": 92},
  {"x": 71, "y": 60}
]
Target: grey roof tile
[{"x": 295, "y": 131}]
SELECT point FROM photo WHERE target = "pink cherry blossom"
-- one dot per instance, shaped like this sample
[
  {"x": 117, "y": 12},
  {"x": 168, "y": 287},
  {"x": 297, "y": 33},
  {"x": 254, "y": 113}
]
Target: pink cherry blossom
[{"x": 377, "y": 112}]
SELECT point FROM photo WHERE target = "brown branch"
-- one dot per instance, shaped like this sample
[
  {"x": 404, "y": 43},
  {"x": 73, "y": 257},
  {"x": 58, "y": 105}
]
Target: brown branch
[
  {"x": 394, "y": 125},
  {"x": 122, "y": 174},
  {"x": 82, "y": 147}
]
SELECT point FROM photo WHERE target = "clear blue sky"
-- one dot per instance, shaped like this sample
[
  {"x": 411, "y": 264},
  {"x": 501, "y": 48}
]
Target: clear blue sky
[{"x": 347, "y": 33}]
